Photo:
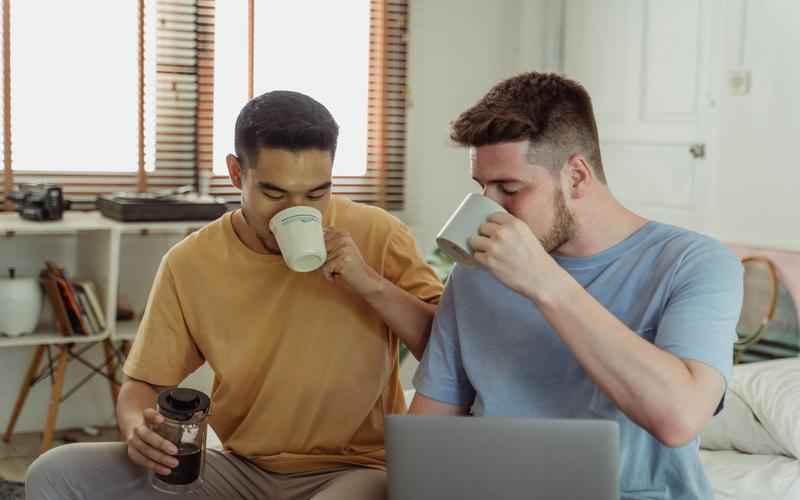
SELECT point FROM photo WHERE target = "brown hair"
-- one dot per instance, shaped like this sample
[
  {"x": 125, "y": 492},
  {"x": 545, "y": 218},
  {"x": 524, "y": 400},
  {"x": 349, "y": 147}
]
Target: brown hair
[{"x": 554, "y": 113}]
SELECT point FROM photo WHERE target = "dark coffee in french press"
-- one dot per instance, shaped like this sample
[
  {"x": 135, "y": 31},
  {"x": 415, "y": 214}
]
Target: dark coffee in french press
[{"x": 185, "y": 413}]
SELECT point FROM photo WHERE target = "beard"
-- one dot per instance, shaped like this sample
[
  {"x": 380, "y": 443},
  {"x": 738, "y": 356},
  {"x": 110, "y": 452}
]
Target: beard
[{"x": 563, "y": 228}]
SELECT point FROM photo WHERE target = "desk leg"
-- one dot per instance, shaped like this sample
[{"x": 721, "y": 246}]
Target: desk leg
[
  {"x": 24, "y": 389},
  {"x": 55, "y": 399}
]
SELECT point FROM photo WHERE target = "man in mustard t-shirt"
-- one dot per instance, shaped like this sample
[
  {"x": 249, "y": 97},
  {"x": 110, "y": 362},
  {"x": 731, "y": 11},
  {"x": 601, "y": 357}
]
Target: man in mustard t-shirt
[{"x": 305, "y": 364}]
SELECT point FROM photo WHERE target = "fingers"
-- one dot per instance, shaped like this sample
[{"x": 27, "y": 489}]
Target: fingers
[
  {"x": 501, "y": 218},
  {"x": 335, "y": 245},
  {"x": 142, "y": 452},
  {"x": 336, "y": 240},
  {"x": 139, "y": 459},
  {"x": 335, "y": 265},
  {"x": 489, "y": 229},
  {"x": 148, "y": 449},
  {"x": 154, "y": 440},
  {"x": 480, "y": 243},
  {"x": 482, "y": 258},
  {"x": 331, "y": 234},
  {"x": 152, "y": 418}
]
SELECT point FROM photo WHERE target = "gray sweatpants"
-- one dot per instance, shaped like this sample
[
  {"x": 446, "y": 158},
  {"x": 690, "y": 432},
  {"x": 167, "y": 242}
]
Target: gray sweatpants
[{"x": 102, "y": 471}]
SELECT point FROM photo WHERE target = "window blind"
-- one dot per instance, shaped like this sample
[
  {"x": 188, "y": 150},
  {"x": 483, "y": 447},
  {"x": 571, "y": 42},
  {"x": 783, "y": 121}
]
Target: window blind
[
  {"x": 184, "y": 111},
  {"x": 383, "y": 183}
]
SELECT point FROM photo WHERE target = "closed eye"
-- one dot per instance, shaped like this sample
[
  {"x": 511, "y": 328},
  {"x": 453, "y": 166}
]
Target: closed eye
[
  {"x": 274, "y": 195},
  {"x": 316, "y": 195}
]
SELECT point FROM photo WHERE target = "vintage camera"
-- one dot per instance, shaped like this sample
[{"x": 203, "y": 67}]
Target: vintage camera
[{"x": 40, "y": 202}]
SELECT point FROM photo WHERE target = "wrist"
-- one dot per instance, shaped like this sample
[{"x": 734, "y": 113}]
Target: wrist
[
  {"x": 554, "y": 291},
  {"x": 374, "y": 285}
]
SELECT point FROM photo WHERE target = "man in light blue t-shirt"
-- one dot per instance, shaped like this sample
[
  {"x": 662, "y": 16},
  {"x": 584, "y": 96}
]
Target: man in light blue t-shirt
[{"x": 581, "y": 308}]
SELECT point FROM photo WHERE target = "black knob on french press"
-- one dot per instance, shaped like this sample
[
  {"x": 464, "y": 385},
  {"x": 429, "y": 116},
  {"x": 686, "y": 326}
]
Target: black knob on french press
[{"x": 181, "y": 403}]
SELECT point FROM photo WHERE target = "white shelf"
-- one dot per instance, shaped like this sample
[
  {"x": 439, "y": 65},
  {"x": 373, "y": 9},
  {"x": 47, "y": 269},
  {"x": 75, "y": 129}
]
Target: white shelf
[
  {"x": 179, "y": 227},
  {"x": 12, "y": 224},
  {"x": 85, "y": 244},
  {"x": 118, "y": 258},
  {"x": 125, "y": 330},
  {"x": 45, "y": 338},
  {"x": 93, "y": 249}
]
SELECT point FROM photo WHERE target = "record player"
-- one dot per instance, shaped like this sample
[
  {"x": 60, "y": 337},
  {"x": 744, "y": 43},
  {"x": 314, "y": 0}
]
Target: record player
[{"x": 180, "y": 204}]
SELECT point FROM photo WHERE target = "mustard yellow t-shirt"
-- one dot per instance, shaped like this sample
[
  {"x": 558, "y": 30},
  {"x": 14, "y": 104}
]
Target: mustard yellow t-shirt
[{"x": 305, "y": 370}]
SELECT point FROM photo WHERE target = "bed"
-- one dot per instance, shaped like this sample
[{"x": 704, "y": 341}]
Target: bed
[
  {"x": 750, "y": 449},
  {"x": 743, "y": 476}
]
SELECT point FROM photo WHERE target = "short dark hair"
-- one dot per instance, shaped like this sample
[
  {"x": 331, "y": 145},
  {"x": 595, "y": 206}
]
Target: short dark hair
[
  {"x": 554, "y": 113},
  {"x": 283, "y": 119}
]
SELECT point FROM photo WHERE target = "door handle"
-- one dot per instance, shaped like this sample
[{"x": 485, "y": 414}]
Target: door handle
[{"x": 698, "y": 151}]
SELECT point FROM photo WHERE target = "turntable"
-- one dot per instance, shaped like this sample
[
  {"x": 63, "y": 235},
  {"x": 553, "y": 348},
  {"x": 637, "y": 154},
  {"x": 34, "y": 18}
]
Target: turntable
[{"x": 180, "y": 204}]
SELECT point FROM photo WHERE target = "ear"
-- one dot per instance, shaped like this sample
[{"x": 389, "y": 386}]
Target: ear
[
  {"x": 579, "y": 177},
  {"x": 234, "y": 170}
]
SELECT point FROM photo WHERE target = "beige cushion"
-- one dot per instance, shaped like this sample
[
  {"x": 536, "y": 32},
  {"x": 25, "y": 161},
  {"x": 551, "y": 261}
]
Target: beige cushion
[{"x": 762, "y": 410}]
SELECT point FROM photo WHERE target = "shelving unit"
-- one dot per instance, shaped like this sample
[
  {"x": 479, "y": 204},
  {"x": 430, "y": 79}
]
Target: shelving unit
[{"x": 121, "y": 259}]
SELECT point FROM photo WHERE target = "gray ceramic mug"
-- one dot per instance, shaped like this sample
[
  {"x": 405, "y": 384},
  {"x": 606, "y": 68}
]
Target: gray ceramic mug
[{"x": 453, "y": 239}]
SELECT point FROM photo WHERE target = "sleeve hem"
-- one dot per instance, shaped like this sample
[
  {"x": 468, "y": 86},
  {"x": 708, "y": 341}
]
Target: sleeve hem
[
  {"x": 451, "y": 396},
  {"x": 135, "y": 371}
]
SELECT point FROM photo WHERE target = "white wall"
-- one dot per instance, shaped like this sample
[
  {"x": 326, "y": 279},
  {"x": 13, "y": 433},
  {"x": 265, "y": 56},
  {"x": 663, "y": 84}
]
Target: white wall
[
  {"x": 457, "y": 50},
  {"x": 758, "y": 177}
]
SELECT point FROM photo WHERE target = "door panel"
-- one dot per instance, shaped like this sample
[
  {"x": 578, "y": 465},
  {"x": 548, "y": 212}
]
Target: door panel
[{"x": 644, "y": 64}]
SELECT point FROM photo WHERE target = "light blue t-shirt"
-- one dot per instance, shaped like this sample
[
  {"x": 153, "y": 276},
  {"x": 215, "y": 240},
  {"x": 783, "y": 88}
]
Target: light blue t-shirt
[{"x": 492, "y": 349}]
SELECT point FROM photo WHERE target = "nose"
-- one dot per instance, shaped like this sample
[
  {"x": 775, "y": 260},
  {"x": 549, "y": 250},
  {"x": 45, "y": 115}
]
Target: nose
[{"x": 295, "y": 200}]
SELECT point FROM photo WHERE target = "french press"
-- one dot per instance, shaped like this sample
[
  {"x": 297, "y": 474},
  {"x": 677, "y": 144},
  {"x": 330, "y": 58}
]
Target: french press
[{"x": 185, "y": 413}]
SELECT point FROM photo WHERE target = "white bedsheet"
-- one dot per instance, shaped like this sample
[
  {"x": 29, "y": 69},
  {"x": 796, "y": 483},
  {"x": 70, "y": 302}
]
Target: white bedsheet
[{"x": 740, "y": 476}]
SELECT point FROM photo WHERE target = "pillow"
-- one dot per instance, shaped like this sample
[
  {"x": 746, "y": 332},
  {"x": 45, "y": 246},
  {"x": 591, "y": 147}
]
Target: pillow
[
  {"x": 737, "y": 428},
  {"x": 772, "y": 390}
]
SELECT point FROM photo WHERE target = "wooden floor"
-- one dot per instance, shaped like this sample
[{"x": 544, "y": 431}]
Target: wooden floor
[{"x": 16, "y": 456}]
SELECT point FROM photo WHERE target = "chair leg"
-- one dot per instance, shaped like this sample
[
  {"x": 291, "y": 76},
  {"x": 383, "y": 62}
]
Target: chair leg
[
  {"x": 111, "y": 370},
  {"x": 24, "y": 389},
  {"x": 55, "y": 399}
]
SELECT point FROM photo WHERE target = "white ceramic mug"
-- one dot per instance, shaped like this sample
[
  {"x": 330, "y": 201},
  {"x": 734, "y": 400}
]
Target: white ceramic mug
[
  {"x": 298, "y": 231},
  {"x": 454, "y": 237}
]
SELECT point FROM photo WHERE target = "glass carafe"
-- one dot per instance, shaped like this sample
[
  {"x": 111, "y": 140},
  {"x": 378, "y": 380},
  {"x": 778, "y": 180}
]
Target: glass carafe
[{"x": 185, "y": 413}]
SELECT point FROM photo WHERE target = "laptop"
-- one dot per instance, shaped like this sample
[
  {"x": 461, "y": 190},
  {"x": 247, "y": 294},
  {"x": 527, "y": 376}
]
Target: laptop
[{"x": 484, "y": 458}]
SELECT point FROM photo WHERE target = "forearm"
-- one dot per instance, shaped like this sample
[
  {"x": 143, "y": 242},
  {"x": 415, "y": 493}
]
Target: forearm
[
  {"x": 407, "y": 316},
  {"x": 134, "y": 397},
  {"x": 653, "y": 387}
]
